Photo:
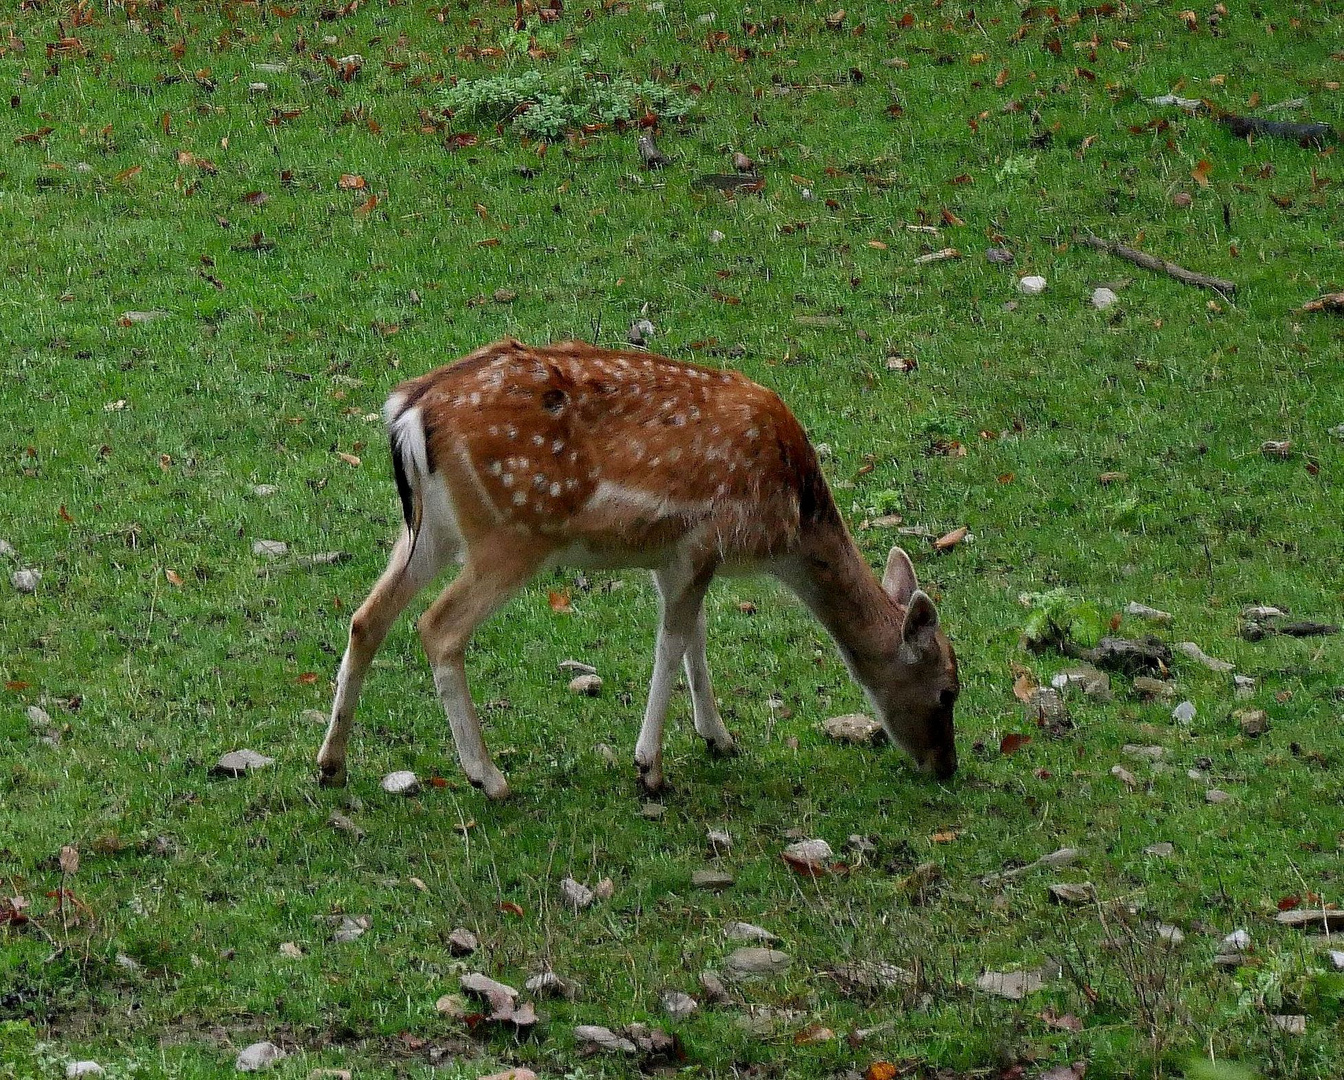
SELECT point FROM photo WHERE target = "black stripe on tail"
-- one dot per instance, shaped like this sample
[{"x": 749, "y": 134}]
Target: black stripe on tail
[{"x": 403, "y": 483}]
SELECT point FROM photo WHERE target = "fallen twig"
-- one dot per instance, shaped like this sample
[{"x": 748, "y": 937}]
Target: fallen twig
[
  {"x": 1303, "y": 134},
  {"x": 938, "y": 256},
  {"x": 1333, "y": 303},
  {"x": 1188, "y": 104},
  {"x": 1254, "y": 631},
  {"x": 1152, "y": 262}
]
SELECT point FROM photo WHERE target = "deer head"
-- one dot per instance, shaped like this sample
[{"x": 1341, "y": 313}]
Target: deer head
[{"x": 915, "y": 695}]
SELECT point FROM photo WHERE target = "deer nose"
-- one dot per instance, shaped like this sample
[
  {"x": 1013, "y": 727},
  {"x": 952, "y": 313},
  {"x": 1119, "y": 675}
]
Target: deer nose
[{"x": 944, "y": 765}]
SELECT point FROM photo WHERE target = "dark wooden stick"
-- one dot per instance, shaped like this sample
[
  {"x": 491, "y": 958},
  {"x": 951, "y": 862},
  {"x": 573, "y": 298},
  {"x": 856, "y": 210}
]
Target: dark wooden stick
[
  {"x": 1152, "y": 262},
  {"x": 1316, "y": 135}
]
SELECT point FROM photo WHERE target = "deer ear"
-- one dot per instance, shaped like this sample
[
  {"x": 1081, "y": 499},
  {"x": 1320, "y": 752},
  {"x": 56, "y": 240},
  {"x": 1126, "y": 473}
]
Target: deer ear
[
  {"x": 899, "y": 579},
  {"x": 921, "y": 621}
]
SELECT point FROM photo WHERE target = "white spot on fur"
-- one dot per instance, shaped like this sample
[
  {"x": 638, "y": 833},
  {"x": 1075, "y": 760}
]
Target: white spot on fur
[
  {"x": 753, "y": 433},
  {"x": 475, "y": 398},
  {"x": 519, "y": 498},
  {"x": 511, "y": 432},
  {"x": 539, "y": 481},
  {"x": 555, "y": 490},
  {"x": 496, "y": 468},
  {"x": 507, "y": 478},
  {"x": 537, "y": 440},
  {"x": 557, "y": 445}
]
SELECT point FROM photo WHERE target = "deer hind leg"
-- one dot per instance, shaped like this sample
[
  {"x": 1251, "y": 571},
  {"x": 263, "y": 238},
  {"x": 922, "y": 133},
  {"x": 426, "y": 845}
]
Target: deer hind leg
[
  {"x": 406, "y": 574},
  {"x": 481, "y": 587},
  {"x": 708, "y": 724},
  {"x": 681, "y": 595}
]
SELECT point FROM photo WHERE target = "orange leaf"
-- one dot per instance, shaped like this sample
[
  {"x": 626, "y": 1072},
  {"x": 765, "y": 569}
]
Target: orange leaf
[
  {"x": 1200, "y": 173},
  {"x": 950, "y": 218},
  {"x": 64, "y": 515},
  {"x": 350, "y": 182},
  {"x": 877, "y": 244},
  {"x": 1006, "y": 478},
  {"x": 559, "y": 601},
  {"x": 307, "y": 678},
  {"x": 510, "y": 908},
  {"x": 1001, "y": 78},
  {"x": 1024, "y": 686},
  {"x": 1013, "y": 742},
  {"x": 367, "y": 206},
  {"x": 947, "y": 836},
  {"x": 15, "y": 685},
  {"x": 882, "y": 1070},
  {"x": 349, "y": 459},
  {"x": 950, "y": 540},
  {"x": 174, "y": 578},
  {"x": 128, "y": 174}
]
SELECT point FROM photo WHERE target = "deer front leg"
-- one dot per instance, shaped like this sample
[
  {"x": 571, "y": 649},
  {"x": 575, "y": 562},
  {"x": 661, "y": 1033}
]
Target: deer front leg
[
  {"x": 445, "y": 630},
  {"x": 708, "y": 723},
  {"x": 681, "y": 595},
  {"x": 368, "y": 628}
]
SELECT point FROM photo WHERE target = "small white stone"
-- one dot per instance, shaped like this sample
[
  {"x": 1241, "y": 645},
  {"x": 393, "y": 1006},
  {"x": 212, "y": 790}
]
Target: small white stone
[
  {"x": 1103, "y": 298},
  {"x": 756, "y": 961},
  {"x": 716, "y": 237},
  {"x": 678, "y": 1005},
  {"x": 1163, "y": 850},
  {"x": 1184, "y": 712},
  {"x": 1238, "y": 939},
  {"x": 237, "y": 762},
  {"x": 352, "y": 928},
  {"x": 720, "y": 840},
  {"x": 1337, "y": 959},
  {"x": 745, "y": 931},
  {"x": 39, "y": 717},
  {"x": 1244, "y": 685},
  {"x": 402, "y": 782},
  {"x": 263, "y": 490},
  {"x": 260, "y": 1055},
  {"x": 589, "y": 685},
  {"x": 25, "y": 581},
  {"x": 83, "y": 1068},
  {"x": 1172, "y": 934},
  {"x": 1031, "y": 285},
  {"x": 257, "y": 88},
  {"x": 270, "y": 549},
  {"x": 1190, "y": 649},
  {"x": 1215, "y": 796},
  {"x": 576, "y": 895},
  {"x": 1152, "y": 614},
  {"x": 7, "y": 549}
]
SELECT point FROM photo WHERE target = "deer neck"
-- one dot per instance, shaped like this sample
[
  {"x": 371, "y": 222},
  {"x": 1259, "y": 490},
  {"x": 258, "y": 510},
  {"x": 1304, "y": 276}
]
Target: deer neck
[{"x": 832, "y": 578}]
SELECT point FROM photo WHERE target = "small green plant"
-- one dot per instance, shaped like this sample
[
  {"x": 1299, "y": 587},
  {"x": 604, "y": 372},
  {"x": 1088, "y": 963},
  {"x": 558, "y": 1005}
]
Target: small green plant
[
  {"x": 547, "y": 104},
  {"x": 1061, "y": 615}
]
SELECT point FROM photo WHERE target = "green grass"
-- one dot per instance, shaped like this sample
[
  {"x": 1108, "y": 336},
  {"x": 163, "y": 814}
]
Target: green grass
[{"x": 267, "y": 363}]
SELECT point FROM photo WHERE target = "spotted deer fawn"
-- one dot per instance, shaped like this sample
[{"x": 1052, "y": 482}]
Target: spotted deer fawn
[{"x": 516, "y": 458}]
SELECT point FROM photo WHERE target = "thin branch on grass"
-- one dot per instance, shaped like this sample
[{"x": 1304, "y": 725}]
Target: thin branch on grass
[{"x": 1152, "y": 262}]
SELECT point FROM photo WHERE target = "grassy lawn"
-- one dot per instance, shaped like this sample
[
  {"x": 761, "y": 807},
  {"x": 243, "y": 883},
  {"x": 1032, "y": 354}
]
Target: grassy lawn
[{"x": 143, "y": 172}]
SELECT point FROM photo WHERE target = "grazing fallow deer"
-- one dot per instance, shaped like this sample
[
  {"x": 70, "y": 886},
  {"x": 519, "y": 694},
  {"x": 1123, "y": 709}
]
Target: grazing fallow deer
[{"x": 515, "y": 458}]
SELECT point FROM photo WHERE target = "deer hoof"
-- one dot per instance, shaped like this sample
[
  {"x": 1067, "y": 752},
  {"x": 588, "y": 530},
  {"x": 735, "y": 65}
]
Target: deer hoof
[
  {"x": 650, "y": 779},
  {"x": 722, "y": 748},
  {"x": 332, "y": 775},
  {"x": 495, "y": 786}
]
